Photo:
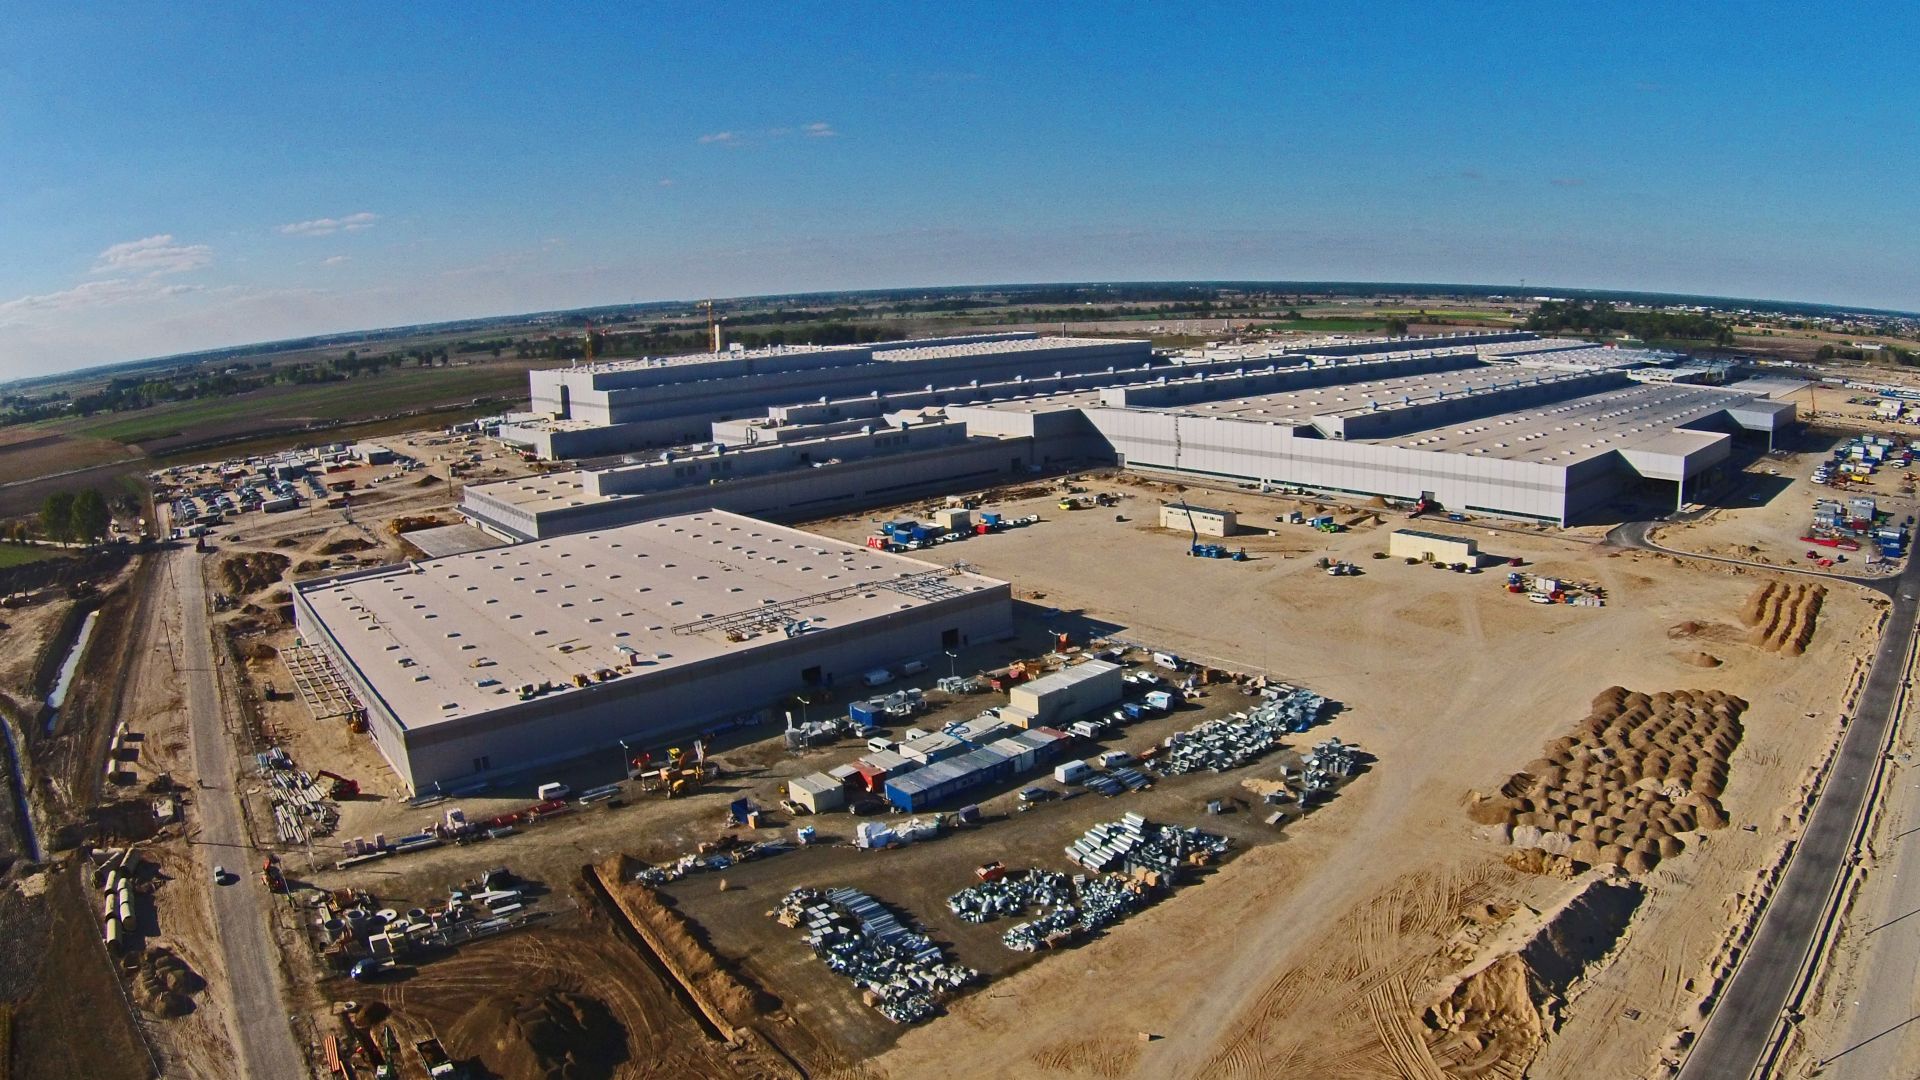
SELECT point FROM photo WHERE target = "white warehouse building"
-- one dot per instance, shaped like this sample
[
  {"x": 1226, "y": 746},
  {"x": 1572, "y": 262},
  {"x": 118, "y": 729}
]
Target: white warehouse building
[{"x": 484, "y": 664}]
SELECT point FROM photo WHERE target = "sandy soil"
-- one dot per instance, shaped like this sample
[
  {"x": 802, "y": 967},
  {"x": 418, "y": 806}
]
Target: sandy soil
[
  {"x": 1453, "y": 683},
  {"x": 1771, "y": 507}
]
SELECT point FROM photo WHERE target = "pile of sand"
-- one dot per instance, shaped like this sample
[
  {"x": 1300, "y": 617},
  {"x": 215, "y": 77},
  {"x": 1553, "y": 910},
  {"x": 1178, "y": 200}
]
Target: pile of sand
[
  {"x": 164, "y": 985},
  {"x": 1698, "y": 659},
  {"x": 251, "y": 571},
  {"x": 343, "y": 544},
  {"x": 1782, "y": 617},
  {"x": 555, "y": 1034},
  {"x": 1634, "y": 775},
  {"x": 1493, "y": 1017}
]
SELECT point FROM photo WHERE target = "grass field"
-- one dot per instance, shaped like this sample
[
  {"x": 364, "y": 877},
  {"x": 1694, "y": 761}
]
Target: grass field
[
  {"x": 384, "y": 393},
  {"x": 22, "y": 554}
]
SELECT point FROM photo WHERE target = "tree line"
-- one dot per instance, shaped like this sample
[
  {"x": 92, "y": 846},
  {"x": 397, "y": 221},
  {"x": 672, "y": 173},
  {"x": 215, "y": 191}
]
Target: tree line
[
  {"x": 72, "y": 517},
  {"x": 1600, "y": 317}
]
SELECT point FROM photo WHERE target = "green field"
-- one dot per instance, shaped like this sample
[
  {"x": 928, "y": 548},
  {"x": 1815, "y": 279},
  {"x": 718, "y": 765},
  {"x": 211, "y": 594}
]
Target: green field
[
  {"x": 22, "y": 554},
  {"x": 370, "y": 395}
]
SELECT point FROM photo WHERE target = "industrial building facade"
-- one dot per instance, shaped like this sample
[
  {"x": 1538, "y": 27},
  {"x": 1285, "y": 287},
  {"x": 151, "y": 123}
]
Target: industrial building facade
[
  {"x": 489, "y": 663},
  {"x": 1502, "y": 424}
]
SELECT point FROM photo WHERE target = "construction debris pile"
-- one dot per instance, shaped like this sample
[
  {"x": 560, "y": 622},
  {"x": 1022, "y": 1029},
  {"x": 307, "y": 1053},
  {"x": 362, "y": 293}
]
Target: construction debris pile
[
  {"x": 1136, "y": 845},
  {"x": 710, "y": 857},
  {"x": 1233, "y": 741},
  {"x": 301, "y": 808},
  {"x": 1011, "y": 895},
  {"x": 900, "y": 972}
]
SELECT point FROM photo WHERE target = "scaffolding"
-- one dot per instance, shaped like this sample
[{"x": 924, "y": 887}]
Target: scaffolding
[
  {"x": 319, "y": 682},
  {"x": 931, "y": 585}
]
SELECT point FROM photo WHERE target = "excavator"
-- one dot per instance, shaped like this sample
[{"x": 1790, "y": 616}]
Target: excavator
[{"x": 343, "y": 787}]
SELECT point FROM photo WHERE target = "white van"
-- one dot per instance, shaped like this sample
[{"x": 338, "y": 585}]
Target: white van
[
  {"x": 913, "y": 667},
  {"x": 879, "y": 677}
]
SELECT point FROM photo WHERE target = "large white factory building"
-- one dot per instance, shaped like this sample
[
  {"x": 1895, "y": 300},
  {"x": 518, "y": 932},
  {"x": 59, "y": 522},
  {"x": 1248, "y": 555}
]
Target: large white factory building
[{"x": 490, "y": 662}]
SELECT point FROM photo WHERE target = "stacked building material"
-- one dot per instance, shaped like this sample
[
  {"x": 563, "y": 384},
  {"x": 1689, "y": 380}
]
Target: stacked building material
[
  {"x": 1011, "y": 895},
  {"x": 1134, "y": 844},
  {"x": 1232, "y": 741},
  {"x": 900, "y": 971},
  {"x": 301, "y": 809}
]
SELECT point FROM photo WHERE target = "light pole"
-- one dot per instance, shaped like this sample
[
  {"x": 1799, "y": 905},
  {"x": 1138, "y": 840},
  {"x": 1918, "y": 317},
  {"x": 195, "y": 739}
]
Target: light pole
[
  {"x": 953, "y": 664},
  {"x": 626, "y": 759}
]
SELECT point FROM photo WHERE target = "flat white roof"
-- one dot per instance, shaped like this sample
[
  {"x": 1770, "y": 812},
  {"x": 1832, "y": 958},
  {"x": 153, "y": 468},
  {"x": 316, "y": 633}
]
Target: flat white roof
[
  {"x": 427, "y": 636},
  {"x": 907, "y": 351}
]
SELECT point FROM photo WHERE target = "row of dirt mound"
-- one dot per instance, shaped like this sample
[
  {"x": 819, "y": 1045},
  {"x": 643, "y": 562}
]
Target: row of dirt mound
[
  {"x": 1782, "y": 617},
  {"x": 251, "y": 571},
  {"x": 1491, "y": 1019},
  {"x": 556, "y": 1033},
  {"x": 1633, "y": 777},
  {"x": 728, "y": 1002}
]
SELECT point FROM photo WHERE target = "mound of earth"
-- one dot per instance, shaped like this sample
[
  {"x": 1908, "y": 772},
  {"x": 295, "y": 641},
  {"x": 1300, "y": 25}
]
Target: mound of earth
[
  {"x": 1685, "y": 629},
  {"x": 251, "y": 571},
  {"x": 1782, "y": 617},
  {"x": 1698, "y": 659},
  {"x": 1494, "y": 1017},
  {"x": 1633, "y": 777},
  {"x": 164, "y": 985},
  {"x": 555, "y": 1034},
  {"x": 342, "y": 544}
]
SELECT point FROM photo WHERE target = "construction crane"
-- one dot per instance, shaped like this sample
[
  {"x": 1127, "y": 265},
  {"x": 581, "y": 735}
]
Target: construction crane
[
  {"x": 713, "y": 324},
  {"x": 1194, "y": 545}
]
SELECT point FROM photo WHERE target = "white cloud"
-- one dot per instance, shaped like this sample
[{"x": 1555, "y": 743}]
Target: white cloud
[
  {"x": 153, "y": 255},
  {"x": 819, "y": 129},
  {"x": 335, "y": 260},
  {"x": 93, "y": 294},
  {"x": 327, "y": 226},
  {"x": 666, "y": 181}
]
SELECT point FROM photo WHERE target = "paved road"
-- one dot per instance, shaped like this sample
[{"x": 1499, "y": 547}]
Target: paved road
[
  {"x": 240, "y": 910},
  {"x": 1735, "y": 1036}
]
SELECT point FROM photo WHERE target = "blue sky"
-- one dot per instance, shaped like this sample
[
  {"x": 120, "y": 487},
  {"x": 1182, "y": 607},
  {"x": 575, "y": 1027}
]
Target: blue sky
[{"x": 176, "y": 177}]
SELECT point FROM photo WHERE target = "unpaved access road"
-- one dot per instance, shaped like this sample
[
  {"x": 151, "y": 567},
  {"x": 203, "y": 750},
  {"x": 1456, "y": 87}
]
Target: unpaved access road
[{"x": 263, "y": 1036}]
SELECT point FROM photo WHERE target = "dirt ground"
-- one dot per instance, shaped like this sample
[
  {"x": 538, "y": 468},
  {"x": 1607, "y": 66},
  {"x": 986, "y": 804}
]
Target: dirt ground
[
  {"x": 1450, "y": 681},
  {"x": 1475, "y": 684},
  {"x": 1765, "y": 511},
  {"x": 579, "y": 952}
]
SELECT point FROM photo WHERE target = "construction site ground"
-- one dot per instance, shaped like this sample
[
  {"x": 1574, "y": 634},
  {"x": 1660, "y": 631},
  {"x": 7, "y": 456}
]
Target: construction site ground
[
  {"x": 1315, "y": 950},
  {"x": 1761, "y": 514}
]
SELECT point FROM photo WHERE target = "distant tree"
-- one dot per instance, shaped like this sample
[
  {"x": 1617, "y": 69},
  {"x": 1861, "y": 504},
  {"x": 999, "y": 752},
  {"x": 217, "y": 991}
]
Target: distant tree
[
  {"x": 90, "y": 516},
  {"x": 56, "y": 516},
  {"x": 1396, "y": 327}
]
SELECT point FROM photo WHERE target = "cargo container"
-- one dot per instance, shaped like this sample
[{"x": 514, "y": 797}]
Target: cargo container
[{"x": 817, "y": 792}]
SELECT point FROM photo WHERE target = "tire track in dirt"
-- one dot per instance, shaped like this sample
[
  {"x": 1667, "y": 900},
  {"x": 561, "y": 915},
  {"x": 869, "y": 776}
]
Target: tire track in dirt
[{"x": 1379, "y": 954}]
